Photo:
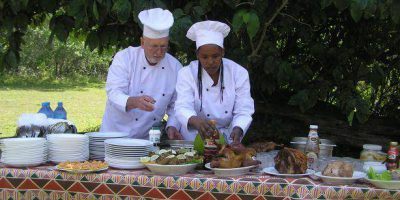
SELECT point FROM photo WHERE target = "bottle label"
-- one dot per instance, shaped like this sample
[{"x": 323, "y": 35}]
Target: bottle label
[
  {"x": 154, "y": 136},
  {"x": 393, "y": 153},
  {"x": 312, "y": 160}
]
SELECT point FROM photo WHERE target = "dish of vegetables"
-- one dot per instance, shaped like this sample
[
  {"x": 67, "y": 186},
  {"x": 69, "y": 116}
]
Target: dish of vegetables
[
  {"x": 386, "y": 179},
  {"x": 172, "y": 157}
]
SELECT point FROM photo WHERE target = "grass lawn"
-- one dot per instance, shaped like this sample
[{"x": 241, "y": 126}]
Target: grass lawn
[{"x": 83, "y": 100}]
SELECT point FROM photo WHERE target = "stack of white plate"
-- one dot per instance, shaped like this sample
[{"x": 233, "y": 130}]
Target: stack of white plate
[
  {"x": 68, "y": 147},
  {"x": 125, "y": 153},
  {"x": 96, "y": 142},
  {"x": 24, "y": 152}
]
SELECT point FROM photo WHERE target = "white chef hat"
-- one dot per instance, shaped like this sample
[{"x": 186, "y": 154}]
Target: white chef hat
[
  {"x": 208, "y": 32},
  {"x": 156, "y": 22}
]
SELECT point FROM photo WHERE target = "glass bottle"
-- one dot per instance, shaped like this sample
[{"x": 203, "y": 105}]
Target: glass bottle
[
  {"x": 312, "y": 148},
  {"x": 210, "y": 146},
  {"x": 393, "y": 156},
  {"x": 154, "y": 137}
]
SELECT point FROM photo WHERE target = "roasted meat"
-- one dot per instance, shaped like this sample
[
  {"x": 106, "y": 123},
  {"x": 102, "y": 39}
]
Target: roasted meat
[
  {"x": 234, "y": 157},
  {"x": 338, "y": 169},
  {"x": 290, "y": 161},
  {"x": 264, "y": 146}
]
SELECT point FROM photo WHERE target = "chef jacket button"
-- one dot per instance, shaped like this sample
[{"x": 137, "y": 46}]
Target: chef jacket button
[
  {"x": 226, "y": 112},
  {"x": 154, "y": 119},
  {"x": 208, "y": 115},
  {"x": 162, "y": 67},
  {"x": 206, "y": 89},
  {"x": 144, "y": 67},
  {"x": 141, "y": 91},
  {"x": 163, "y": 94},
  {"x": 137, "y": 119}
]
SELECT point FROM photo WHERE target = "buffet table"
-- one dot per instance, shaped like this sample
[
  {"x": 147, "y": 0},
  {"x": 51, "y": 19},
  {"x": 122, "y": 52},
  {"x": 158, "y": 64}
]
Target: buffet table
[{"x": 44, "y": 182}]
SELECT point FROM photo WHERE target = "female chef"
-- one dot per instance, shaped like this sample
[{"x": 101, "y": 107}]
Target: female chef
[{"x": 213, "y": 88}]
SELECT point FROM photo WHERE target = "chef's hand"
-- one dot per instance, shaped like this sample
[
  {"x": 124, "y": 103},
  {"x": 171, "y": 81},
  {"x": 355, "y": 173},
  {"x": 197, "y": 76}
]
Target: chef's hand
[
  {"x": 144, "y": 102},
  {"x": 204, "y": 127},
  {"x": 236, "y": 134},
  {"x": 173, "y": 133}
]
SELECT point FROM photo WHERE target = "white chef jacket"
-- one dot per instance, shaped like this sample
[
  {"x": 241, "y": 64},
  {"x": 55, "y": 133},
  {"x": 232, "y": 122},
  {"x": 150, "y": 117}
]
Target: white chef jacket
[
  {"x": 236, "y": 108},
  {"x": 131, "y": 75}
]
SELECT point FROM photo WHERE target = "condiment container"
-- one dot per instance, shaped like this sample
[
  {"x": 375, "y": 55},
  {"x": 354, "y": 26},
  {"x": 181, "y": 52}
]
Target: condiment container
[{"x": 372, "y": 152}]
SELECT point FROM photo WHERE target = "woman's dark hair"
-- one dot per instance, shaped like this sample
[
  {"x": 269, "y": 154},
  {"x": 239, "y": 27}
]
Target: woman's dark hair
[{"x": 200, "y": 82}]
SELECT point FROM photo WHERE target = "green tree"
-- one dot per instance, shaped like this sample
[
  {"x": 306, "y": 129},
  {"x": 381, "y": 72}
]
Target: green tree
[{"x": 338, "y": 53}]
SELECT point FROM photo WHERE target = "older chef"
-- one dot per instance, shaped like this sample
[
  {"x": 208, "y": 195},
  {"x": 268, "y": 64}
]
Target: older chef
[
  {"x": 213, "y": 87},
  {"x": 141, "y": 81}
]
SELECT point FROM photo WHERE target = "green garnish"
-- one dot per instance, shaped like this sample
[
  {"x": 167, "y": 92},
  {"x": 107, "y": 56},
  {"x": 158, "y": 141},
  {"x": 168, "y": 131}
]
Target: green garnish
[
  {"x": 198, "y": 144},
  {"x": 385, "y": 175}
]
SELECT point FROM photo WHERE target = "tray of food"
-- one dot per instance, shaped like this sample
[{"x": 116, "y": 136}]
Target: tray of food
[
  {"x": 233, "y": 161},
  {"x": 172, "y": 162},
  {"x": 340, "y": 173},
  {"x": 289, "y": 162},
  {"x": 385, "y": 180},
  {"x": 82, "y": 167}
]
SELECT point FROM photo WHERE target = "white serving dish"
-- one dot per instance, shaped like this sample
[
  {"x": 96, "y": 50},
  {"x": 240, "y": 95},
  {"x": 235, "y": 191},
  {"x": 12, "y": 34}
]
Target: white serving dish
[
  {"x": 341, "y": 180},
  {"x": 80, "y": 171},
  {"x": 392, "y": 185},
  {"x": 226, "y": 172},
  {"x": 171, "y": 170},
  {"x": 273, "y": 171}
]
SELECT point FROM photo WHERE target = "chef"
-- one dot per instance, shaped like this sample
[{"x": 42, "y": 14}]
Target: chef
[
  {"x": 141, "y": 81},
  {"x": 213, "y": 88}
]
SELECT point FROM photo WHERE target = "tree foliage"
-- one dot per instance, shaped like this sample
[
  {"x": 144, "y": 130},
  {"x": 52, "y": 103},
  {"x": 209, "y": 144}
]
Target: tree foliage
[{"x": 343, "y": 53}]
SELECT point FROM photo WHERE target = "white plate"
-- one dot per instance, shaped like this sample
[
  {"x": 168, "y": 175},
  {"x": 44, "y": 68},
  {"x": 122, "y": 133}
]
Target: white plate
[
  {"x": 121, "y": 166},
  {"x": 22, "y": 158},
  {"x": 107, "y": 134},
  {"x": 126, "y": 149},
  {"x": 391, "y": 185},
  {"x": 273, "y": 171},
  {"x": 120, "y": 148},
  {"x": 66, "y": 136},
  {"x": 71, "y": 160},
  {"x": 80, "y": 171},
  {"x": 341, "y": 180},
  {"x": 225, "y": 172},
  {"x": 128, "y": 142},
  {"x": 123, "y": 163},
  {"x": 22, "y": 140},
  {"x": 23, "y": 165},
  {"x": 171, "y": 170}
]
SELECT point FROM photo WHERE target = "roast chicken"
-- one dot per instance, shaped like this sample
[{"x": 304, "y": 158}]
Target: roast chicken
[
  {"x": 234, "y": 157},
  {"x": 264, "y": 146}
]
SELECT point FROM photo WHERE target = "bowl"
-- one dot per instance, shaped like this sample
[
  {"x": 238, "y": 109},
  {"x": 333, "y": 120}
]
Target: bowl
[
  {"x": 171, "y": 170},
  {"x": 392, "y": 185},
  {"x": 325, "y": 147}
]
